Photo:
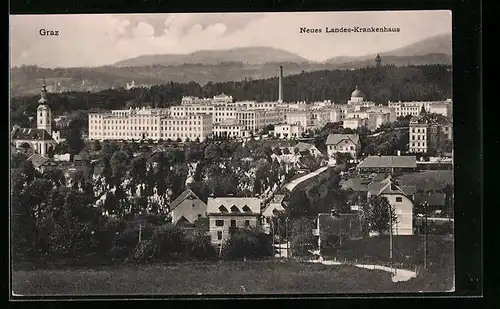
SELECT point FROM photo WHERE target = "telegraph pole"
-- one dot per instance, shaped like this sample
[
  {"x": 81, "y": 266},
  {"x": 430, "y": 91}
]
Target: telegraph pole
[
  {"x": 287, "y": 240},
  {"x": 425, "y": 235},
  {"x": 279, "y": 238},
  {"x": 390, "y": 235},
  {"x": 272, "y": 229}
]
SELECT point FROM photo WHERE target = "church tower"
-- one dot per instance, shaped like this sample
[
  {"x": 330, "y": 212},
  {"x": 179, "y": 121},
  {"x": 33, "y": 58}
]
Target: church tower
[
  {"x": 43, "y": 114},
  {"x": 378, "y": 60}
]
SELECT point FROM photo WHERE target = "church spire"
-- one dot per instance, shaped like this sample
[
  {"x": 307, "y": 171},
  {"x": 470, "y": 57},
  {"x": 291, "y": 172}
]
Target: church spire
[{"x": 43, "y": 93}]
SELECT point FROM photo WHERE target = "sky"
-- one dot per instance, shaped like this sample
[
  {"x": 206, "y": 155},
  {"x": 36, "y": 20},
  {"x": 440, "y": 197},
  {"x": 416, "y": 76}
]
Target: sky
[{"x": 103, "y": 39}]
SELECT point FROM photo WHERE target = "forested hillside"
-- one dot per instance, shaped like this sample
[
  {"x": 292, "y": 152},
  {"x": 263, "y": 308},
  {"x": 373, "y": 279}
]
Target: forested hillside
[{"x": 430, "y": 82}]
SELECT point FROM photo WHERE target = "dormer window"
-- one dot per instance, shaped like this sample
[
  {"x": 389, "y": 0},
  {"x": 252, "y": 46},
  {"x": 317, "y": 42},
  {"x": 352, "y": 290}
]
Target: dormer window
[
  {"x": 234, "y": 209},
  {"x": 246, "y": 209},
  {"x": 222, "y": 209}
]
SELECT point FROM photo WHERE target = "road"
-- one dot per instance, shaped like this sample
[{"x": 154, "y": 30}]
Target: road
[{"x": 292, "y": 184}]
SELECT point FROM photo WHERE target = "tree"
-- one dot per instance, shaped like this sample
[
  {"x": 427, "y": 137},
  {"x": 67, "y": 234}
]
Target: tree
[
  {"x": 376, "y": 215},
  {"x": 298, "y": 204},
  {"x": 286, "y": 151},
  {"x": 119, "y": 164},
  {"x": 16, "y": 159},
  {"x": 277, "y": 151},
  {"x": 26, "y": 146},
  {"x": 56, "y": 176},
  {"x": 199, "y": 246},
  {"x": 248, "y": 243},
  {"x": 75, "y": 223},
  {"x": 302, "y": 239},
  {"x": 96, "y": 145},
  {"x": 75, "y": 141},
  {"x": 168, "y": 241},
  {"x": 213, "y": 152}
]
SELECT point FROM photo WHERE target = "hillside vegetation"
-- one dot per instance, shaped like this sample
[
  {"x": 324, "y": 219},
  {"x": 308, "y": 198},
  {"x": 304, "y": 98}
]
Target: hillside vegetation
[{"x": 429, "y": 82}]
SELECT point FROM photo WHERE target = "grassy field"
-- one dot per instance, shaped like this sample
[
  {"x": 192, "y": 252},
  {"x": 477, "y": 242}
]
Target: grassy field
[
  {"x": 254, "y": 277},
  {"x": 427, "y": 180}
]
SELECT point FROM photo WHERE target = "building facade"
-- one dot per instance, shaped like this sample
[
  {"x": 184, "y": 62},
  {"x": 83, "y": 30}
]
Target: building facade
[
  {"x": 227, "y": 214},
  {"x": 39, "y": 139},
  {"x": 187, "y": 208},
  {"x": 147, "y": 123},
  {"x": 399, "y": 202},
  {"x": 288, "y": 131},
  {"x": 342, "y": 143}
]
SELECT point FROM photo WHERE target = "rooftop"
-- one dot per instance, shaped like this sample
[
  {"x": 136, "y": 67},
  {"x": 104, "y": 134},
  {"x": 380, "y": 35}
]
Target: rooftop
[
  {"x": 433, "y": 199},
  {"x": 234, "y": 204},
  {"x": 38, "y": 160},
  {"x": 389, "y": 162},
  {"x": 187, "y": 194},
  {"x": 30, "y": 134},
  {"x": 334, "y": 139}
]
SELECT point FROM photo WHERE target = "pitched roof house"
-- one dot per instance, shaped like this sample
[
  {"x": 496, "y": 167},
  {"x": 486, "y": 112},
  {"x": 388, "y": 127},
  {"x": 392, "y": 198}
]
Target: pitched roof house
[
  {"x": 40, "y": 162},
  {"x": 399, "y": 200},
  {"x": 342, "y": 143},
  {"x": 276, "y": 204},
  {"x": 226, "y": 214},
  {"x": 335, "y": 139},
  {"x": 308, "y": 147},
  {"x": 388, "y": 164},
  {"x": 187, "y": 208}
]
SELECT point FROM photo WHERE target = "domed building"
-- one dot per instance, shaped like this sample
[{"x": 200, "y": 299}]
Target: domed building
[{"x": 357, "y": 96}]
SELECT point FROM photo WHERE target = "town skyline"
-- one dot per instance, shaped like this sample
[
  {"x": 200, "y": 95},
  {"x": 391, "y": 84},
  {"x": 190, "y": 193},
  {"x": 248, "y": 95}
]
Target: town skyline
[{"x": 99, "y": 40}]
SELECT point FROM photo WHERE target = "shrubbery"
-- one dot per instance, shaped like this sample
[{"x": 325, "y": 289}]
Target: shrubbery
[{"x": 248, "y": 243}]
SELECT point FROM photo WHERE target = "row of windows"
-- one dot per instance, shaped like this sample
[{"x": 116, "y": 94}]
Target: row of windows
[
  {"x": 418, "y": 137},
  {"x": 137, "y": 134},
  {"x": 233, "y": 223},
  {"x": 342, "y": 148},
  {"x": 418, "y": 144}
]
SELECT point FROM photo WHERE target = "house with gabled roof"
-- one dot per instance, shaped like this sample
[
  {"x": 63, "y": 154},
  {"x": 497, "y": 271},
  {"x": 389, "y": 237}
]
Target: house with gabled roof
[
  {"x": 389, "y": 164},
  {"x": 187, "y": 208},
  {"x": 309, "y": 148},
  {"x": 227, "y": 214},
  {"x": 399, "y": 200},
  {"x": 342, "y": 143},
  {"x": 41, "y": 163}
]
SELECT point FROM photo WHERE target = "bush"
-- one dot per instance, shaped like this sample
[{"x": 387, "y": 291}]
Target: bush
[
  {"x": 144, "y": 251},
  {"x": 169, "y": 242},
  {"x": 248, "y": 244},
  {"x": 199, "y": 247}
]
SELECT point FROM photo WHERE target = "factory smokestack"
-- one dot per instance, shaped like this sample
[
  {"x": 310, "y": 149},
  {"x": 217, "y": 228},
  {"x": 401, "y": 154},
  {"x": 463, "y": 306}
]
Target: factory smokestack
[{"x": 280, "y": 91}]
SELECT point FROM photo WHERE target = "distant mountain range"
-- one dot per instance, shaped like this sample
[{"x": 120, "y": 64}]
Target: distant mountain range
[
  {"x": 215, "y": 66},
  {"x": 245, "y": 55}
]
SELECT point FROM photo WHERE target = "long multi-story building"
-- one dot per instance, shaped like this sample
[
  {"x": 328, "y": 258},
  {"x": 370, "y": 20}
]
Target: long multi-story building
[
  {"x": 148, "y": 123},
  {"x": 404, "y": 109},
  {"x": 230, "y": 130}
]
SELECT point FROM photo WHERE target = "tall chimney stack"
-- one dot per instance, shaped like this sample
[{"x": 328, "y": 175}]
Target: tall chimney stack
[{"x": 280, "y": 91}]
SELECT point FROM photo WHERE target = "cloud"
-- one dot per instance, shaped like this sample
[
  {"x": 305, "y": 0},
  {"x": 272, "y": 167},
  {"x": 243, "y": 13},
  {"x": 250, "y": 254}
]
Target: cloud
[{"x": 93, "y": 40}]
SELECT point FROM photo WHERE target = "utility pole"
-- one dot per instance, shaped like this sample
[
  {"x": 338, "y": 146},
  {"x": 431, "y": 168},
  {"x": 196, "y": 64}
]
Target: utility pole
[
  {"x": 221, "y": 243},
  {"x": 140, "y": 232},
  {"x": 272, "y": 231},
  {"x": 279, "y": 238},
  {"x": 287, "y": 240},
  {"x": 425, "y": 235},
  {"x": 390, "y": 235}
]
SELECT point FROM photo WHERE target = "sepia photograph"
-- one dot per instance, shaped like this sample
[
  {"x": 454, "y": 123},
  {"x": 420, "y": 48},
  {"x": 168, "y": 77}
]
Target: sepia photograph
[{"x": 226, "y": 154}]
